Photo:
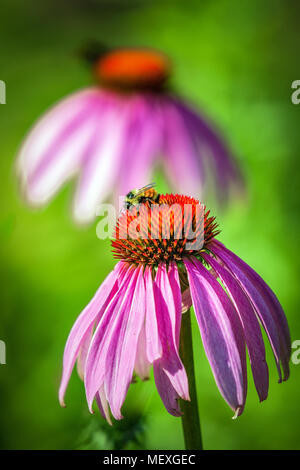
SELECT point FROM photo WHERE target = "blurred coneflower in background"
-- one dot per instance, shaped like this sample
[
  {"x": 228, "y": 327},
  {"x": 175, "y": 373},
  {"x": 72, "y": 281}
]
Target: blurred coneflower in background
[{"x": 114, "y": 133}]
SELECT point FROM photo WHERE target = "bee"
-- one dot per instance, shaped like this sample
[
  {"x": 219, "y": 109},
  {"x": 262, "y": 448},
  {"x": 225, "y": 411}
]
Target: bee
[{"x": 141, "y": 196}]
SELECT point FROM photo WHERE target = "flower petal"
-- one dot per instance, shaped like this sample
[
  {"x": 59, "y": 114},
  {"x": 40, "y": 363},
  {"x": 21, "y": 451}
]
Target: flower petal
[
  {"x": 250, "y": 324},
  {"x": 153, "y": 343},
  {"x": 82, "y": 355},
  {"x": 211, "y": 144},
  {"x": 54, "y": 148},
  {"x": 144, "y": 139},
  {"x": 142, "y": 364},
  {"x": 168, "y": 311},
  {"x": 49, "y": 128},
  {"x": 103, "y": 404},
  {"x": 184, "y": 165},
  {"x": 174, "y": 281},
  {"x": 166, "y": 390},
  {"x": 84, "y": 324},
  {"x": 186, "y": 300},
  {"x": 266, "y": 305},
  {"x": 221, "y": 333},
  {"x": 121, "y": 354},
  {"x": 100, "y": 170},
  {"x": 105, "y": 336}
]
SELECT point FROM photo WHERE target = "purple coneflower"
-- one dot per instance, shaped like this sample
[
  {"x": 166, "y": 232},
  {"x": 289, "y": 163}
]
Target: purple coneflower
[
  {"x": 134, "y": 320},
  {"x": 97, "y": 132}
]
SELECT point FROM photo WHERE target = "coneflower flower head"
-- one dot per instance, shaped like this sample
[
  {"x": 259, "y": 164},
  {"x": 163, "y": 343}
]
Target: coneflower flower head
[
  {"x": 113, "y": 135},
  {"x": 134, "y": 320},
  {"x": 173, "y": 228}
]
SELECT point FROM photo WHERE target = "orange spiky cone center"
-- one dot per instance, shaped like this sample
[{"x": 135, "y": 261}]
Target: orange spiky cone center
[{"x": 165, "y": 231}]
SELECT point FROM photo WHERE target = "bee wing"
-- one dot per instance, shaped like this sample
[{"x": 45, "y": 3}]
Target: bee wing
[{"x": 144, "y": 188}]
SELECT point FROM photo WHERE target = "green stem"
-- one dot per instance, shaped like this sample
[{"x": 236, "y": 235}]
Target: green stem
[{"x": 190, "y": 418}]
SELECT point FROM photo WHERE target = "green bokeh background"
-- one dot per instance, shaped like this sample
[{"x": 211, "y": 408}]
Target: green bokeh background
[{"x": 236, "y": 61}]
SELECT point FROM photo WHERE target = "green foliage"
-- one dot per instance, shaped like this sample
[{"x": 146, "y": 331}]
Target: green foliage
[
  {"x": 128, "y": 434},
  {"x": 236, "y": 61}
]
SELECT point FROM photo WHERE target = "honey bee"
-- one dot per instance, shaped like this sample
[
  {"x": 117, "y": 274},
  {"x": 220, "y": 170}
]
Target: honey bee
[{"x": 141, "y": 196}]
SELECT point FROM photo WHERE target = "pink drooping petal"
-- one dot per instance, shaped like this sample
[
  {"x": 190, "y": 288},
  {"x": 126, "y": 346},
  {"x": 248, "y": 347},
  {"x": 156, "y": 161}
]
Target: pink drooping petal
[
  {"x": 213, "y": 148},
  {"x": 222, "y": 334},
  {"x": 142, "y": 364},
  {"x": 169, "y": 319},
  {"x": 53, "y": 150},
  {"x": 166, "y": 390},
  {"x": 103, "y": 404},
  {"x": 99, "y": 172},
  {"x": 153, "y": 343},
  {"x": 143, "y": 139},
  {"x": 105, "y": 336},
  {"x": 83, "y": 352},
  {"x": 184, "y": 166},
  {"x": 82, "y": 355},
  {"x": 65, "y": 162},
  {"x": 252, "y": 331},
  {"x": 186, "y": 300},
  {"x": 173, "y": 278},
  {"x": 49, "y": 128},
  {"x": 267, "y": 307},
  {"x": 84, "y": 324},
  {"x": 120, "y": 360}
]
